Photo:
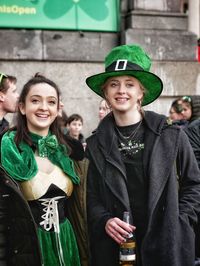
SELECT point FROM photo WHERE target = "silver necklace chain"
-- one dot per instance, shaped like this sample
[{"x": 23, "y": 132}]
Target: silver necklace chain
[{"x": 132, "y": 133}]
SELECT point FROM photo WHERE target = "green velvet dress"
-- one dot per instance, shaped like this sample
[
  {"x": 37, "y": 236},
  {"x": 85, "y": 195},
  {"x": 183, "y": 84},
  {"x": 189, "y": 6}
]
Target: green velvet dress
[
  {"x": 48, "y": 244},
  {"x": 46, "y": 180},
  {"x": 56, "y": 235},
  {"x": 59, "y": 248}
]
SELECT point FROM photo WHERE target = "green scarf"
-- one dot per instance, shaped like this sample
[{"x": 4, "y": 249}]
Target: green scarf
[{"x": 21, "y": 164}]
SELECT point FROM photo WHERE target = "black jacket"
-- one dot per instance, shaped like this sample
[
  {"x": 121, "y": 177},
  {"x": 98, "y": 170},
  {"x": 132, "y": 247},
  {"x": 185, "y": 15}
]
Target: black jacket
[
  {"x": 19, "y": 244},
  {"x": 172, "y": 201},
  {"x": 193, "y": 132}
]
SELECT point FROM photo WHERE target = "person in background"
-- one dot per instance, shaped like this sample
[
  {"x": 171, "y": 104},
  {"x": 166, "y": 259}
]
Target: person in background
[
  {"x": 104, "y": 109},
  {"x": 175, "y": 111},
  {"x": 192, "y": 113},
  {"x": 8, "y": 104},
  {"x": 63, "y": 122},
  {"x": 76, "y": 207},
  {"x": 186, "y": 103},
  {"x": 8, "y": 99},
  {"x": 76, "y": 148},
  {"x": 38, "y": 177},
  {"x": 175, "y": 114},
  {"x": 135, "y": 160},
  {"x": 74, "y": 128},
  {"x": 191, "y": 107}
]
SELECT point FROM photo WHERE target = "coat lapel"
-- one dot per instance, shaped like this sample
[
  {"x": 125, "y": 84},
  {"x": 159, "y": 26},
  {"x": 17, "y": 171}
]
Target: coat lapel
[{"x": 115, "y": 178}]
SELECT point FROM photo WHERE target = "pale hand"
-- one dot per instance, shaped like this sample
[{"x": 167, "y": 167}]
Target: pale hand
[{"x": 118, "y": 230}]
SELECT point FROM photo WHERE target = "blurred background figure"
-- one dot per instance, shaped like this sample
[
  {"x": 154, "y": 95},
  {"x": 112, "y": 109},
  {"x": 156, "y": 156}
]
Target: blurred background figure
[
  {"x": 193, "y": 128},
  {"x": 191, "y": 107},
  {"x": 191, "y": 112},
  {"x": 76, "y": 147},
  {"x": 63, "y": 121},
  {"x": 186, "y": 102},
  {"x": 76, "y": 203},
  {"x": 8, "y": 99},
  {"x": 74, "y": 128},
  {"x": 175, "y": 111},
  {"x": 176, "y": 115},
  {"x": 104, "y": 109}
]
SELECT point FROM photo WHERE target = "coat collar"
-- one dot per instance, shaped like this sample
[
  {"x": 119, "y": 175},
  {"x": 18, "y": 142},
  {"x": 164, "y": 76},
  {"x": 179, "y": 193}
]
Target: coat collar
[
  {"x": 107, "y": 139},
  {"x": 105, "y": 131}
]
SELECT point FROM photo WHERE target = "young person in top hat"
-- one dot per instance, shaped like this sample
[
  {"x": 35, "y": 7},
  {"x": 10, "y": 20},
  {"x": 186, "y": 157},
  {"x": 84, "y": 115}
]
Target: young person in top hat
[{"x": 141, "y": 164}]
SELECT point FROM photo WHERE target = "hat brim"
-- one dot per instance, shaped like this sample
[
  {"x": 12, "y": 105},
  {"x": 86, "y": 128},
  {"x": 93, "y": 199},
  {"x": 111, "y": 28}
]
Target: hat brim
[{"x": 153, "y": 84}]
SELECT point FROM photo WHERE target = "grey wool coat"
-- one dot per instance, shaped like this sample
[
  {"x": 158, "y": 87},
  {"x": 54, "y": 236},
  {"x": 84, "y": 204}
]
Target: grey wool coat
[{"x": 173, "y": 193}]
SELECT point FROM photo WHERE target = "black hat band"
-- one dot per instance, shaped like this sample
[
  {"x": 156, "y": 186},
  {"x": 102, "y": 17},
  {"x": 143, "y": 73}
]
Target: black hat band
[{"x": 122, "y": 64}]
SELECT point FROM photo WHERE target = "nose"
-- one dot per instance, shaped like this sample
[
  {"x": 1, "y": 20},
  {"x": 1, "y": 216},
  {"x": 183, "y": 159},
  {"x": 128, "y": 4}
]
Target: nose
[
  {"x": 121, "y": 88},
  {"x": 43, "y": 105}
]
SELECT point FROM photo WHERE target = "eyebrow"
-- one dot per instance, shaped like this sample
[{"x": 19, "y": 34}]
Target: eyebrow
[
  {"x": 127, "y": 79},
  {"x": 40, "y": 96}
]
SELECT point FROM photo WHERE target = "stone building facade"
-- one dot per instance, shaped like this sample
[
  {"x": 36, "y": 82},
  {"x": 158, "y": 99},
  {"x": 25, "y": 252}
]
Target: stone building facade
[{"x": 167, "y": 29}]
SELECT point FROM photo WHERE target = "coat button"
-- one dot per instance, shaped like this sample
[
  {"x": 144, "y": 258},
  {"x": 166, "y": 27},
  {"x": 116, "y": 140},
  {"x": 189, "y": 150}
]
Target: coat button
[{"x": 15, "y": 251}]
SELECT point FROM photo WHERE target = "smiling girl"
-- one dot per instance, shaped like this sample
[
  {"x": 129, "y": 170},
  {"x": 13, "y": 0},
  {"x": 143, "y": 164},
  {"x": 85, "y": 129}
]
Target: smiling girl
[{"x": 36, "y": 157}]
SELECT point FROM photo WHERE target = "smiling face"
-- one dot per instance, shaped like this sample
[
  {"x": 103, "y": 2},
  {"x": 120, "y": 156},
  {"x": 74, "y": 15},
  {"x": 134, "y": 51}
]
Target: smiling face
[
  {"x": 123, "y": 94},
  {"x": 40, "y": 108}
]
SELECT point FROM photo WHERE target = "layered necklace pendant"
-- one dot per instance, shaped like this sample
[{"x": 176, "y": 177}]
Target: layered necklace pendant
[{"x": 127, "y": 144}]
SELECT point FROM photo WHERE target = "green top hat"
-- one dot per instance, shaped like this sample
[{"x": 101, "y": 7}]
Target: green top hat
[{"x": 129, "y": 60}]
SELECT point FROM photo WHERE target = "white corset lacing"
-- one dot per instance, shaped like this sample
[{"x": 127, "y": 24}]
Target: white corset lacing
[{"x": 50, "y": 219}]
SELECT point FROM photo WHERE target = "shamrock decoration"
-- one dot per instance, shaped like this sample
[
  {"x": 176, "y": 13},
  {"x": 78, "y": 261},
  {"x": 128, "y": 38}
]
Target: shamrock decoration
[{"x": 57, "y": 8}]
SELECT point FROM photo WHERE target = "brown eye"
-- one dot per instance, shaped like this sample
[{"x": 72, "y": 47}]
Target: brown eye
[
  {"x": 52, "y": 102},
  {"x": 34, "y": 101}
]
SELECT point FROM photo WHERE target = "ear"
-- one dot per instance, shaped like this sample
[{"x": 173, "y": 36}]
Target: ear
[
  {"x": 2, "y": 96},
  {"x": 22, "y": 108}
]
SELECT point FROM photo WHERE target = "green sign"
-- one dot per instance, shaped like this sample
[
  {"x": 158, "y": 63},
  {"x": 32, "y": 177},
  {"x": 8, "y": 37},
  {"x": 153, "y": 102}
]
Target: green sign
[{"x": 96, "y": 15}]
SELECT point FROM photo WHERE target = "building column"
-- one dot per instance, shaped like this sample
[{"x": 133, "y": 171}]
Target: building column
[{"x": 194, "y": 17}]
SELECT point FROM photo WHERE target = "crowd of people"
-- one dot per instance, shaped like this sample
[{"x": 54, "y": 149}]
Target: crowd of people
[{"x": 62, "y": 197}]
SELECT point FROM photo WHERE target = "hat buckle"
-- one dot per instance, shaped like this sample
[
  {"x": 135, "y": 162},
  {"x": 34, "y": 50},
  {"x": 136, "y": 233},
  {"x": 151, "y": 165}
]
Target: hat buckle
[{"x": 121, "y": 64}]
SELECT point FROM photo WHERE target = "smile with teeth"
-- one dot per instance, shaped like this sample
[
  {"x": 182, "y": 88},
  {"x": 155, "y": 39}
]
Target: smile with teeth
[
  {"x": 121, "y": 100},
  {"x": 43, "y": 116}
]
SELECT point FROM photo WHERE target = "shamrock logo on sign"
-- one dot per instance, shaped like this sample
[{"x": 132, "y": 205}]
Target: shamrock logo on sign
[{"x": 57, "y": 8}]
